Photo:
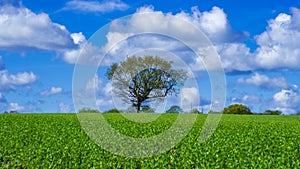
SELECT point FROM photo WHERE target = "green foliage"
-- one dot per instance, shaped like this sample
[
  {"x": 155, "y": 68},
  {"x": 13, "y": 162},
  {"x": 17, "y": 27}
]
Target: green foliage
[
  {"x": 138, "y": 80},
  {"x": 11, "y": 112},
  {"x": 58, "y": 141},
  {"x": 174, "y": 109},
  {"x": 147, "y": 109},
  {"x": 87, "y": 110},
  {"x": 272, "y": 112},
  {"x": 112, "y": 111},
  {"x": 111, "y": 70},
  {"x": 213, "y": 112},
  {"x": 195, "y": 111},
  {"x": 237, "y": 109}
]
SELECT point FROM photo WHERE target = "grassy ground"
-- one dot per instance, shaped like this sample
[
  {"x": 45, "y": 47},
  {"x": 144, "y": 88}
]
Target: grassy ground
[{"x": 58, "y": 141}]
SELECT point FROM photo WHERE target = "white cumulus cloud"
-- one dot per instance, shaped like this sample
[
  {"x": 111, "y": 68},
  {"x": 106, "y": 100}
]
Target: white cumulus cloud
[
  {"x": 250, "y": 99},
  {"x": 235, "y": 56},
  {"x": 189, "y": 98},
  {"x": 216, "y": 25},
  {"x": 9, "y": 81},
  {"x": 287, "y": 101},
  {"x": 279, "y": 44},
  {"x": 89, "y": 55},
  {"x": 123, "y": 38},
  {"x": 22, "y": 29},
  {"x": 264, "y": 81}
]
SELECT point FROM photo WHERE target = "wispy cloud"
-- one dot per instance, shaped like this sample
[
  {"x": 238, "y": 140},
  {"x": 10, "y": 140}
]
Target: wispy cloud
[
  {"x": 63, "y": 108},
  {"x": 2, "y": 98},
  {"x": 52, "y": 91},
  {"x": 16, "y": 107},
  {"x": 95, "y": 6},
  {"x": 2, "y": 67}
]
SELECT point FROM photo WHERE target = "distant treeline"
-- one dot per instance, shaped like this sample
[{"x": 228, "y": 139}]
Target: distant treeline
[{"x": 232, "y": 109}]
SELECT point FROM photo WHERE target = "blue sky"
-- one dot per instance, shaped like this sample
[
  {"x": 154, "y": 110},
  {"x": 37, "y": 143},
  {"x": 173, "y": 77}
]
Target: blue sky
[{"x": 257, "y": 41}]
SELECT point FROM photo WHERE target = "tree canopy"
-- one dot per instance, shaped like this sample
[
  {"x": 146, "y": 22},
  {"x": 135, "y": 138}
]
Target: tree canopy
[
  {"x": 114, "y": 110},
  {"x": 195, "y": 111},
  {"x": 237, "y": 109},
  {"x": 174, "y": 109},
  {"x": 147, "y": 109},
  {"x": 273, "y": 112},
  {"x": 138, "y": 80}
]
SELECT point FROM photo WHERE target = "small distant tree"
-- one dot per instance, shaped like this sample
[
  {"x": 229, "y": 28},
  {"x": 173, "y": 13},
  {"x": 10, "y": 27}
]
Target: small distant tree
[
  {"x": 213, "y": 112},
  {"x": 113, "y": 111},
  {"x": 237, "y": 109},
  {"x": 6, "y": 112},
  {"x": 195, "y": 111},
  {"x": 88, "y": 110},
  {"x": 174, "y": 109},
  {"x": 147, "y": 109},
  {"x": 273, "y": 112},
  {"x": 13, "y": 112}
]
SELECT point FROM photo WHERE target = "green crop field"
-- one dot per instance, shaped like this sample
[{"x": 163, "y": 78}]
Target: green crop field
[{"x": 240, "y": 141}]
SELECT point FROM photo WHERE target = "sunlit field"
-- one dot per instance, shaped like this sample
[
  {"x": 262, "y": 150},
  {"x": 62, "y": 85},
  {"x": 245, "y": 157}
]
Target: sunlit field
[{"x": 240, "y": 141}]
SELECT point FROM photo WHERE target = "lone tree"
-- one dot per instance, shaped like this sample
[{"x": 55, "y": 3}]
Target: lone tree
[{"x": 138, "y": 80}]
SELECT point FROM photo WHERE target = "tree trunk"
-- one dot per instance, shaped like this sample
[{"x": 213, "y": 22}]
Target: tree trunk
[{"x": 138, "y": 107}]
